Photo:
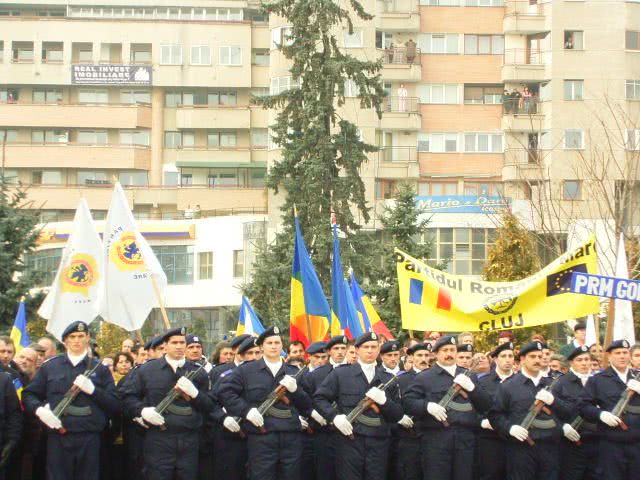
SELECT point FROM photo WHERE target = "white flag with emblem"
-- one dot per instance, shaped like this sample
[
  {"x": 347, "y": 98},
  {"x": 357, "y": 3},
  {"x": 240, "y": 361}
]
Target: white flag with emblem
[
  {"x": 128, "y": 295},
  {"x": 623, "y": 316},
  {"x": 76, "y": 291}
]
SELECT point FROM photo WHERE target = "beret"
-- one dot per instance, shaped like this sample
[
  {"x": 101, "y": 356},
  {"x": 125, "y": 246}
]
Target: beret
[
  {"x": 501, "y": 348},
  {"x": 578, "y": 351},
  {"x": 193, "y": 339},
  {"x": 465, "y": 347},
  {"x": 337, "y": 340},
  {"x": 74, "y": 327},
  {"x": 618, "y": 344},
  {"x": 247, "y": 344},
  {"x": 269, "y": 332},
  {"x": 236, "y": 341},
  {"x": 174, "y": 332},
  {"x": 532, "y": 347},
  {"x": 388, "y": 347},
  {"x": 442, "y": 341},
  {"x": 317, "y": 347},
  {"x": 366, "y": 337},
  {"x": 419, "y": 346}
]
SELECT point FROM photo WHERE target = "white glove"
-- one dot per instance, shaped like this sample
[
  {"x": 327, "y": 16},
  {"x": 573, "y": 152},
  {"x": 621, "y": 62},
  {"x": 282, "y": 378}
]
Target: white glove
[
  {"x": 519, "y": 433},
  {"x": 342, "y": 424},
  {"x": 545, "y": 396},
  {"x": 48, "y": 418},
  {"x": 486, "y": 424},
  {"x": 406, "y": 421},
  {"x": 436, "y": 411},
  {"x": 570, "y": 433},
  {"x": 303, "y": 423},
  {"x": 151, "y": 415},
  {"x": 465, "y": 382},
  {"x": 231, "y": 424},
  {"x": 85, "y": 384},
  {"x": 255, "y": 417},
  {"x": 289, "y": 383},
  {"x": 609, "y": 419},
  {"x": 187, "y": 387},
  {"x": 377, "y": 395},
  {"x": 318, "y": 418},
  {"x": 140, "y": 422},
  {"x": 634, "y": 385}
]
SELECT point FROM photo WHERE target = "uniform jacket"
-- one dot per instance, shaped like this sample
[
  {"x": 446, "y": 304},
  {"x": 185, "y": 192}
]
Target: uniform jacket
[
  {"x": 430, "y": 386},
  {"x": 55, "y": 377},
  {"x": 218, "y": 375},
  {"x": 154, "y": 380},
  {"x": 405, "y": 379},
  {"x": 250, "y": 384},
  {"x": 601, "y": 393},
  {"x": 490, "y": 383},
  {"x": 569, "y": 388},
  {"x": 310, "y": 382},
  {"x": 346, "y": 386},
  {"x": 10, "y": 414}
]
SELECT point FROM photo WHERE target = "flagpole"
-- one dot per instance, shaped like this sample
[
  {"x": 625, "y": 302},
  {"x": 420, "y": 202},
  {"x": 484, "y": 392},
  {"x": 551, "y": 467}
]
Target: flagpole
[
  {"x": 163, "y": 311},
  {"x": 608, "y": 335}
]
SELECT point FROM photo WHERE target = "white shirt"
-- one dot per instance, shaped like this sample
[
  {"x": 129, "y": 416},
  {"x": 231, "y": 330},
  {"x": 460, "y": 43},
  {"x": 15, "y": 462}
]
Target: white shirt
[
  {"x": 451, "y": 369},
  {"x": 392, "y": 371},
  {"x": 582, "y": 376},
  {"x": 417, "y": 370},
  {"x": 76, "y": 359},
  {"x": 274, "y": 366},
  {"x": 175, "y": 364},
  {"x": 369, "y": 370},
  {"x": 503, "y": 377},
  {"x": 334, "y": 364},
  {"x": 623, "y": 375},
  {"x": 535, "y": 380}
]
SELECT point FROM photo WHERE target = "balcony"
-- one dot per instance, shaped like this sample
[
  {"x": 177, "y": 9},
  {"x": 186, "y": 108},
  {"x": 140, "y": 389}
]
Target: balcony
[
  {"x": 523, "y": 65},
  {"x": 76, "y": 155},
  {"x": 401, "y": 113},
  {"x": 522, "y": 114},
  {"x": 204, "y": 157},
  {"x": 401, "y": 64},
  {"x": 398, "y": 15},
  {"x": 522, "y": 18},
  {"x": 398, "y": 162},
  {"x": 237, "y": 117},
  {"x": 521, "y": 164},
  {"x": 75, "y": 115}
]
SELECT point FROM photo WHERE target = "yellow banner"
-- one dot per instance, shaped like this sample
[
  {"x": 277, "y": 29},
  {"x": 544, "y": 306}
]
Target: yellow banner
[{"x": 434, "y": 300}]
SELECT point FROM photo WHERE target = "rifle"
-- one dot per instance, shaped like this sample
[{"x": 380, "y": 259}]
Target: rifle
[
  {"x": 620, "y": 407},
  {"x": 576, "y": 425},
  {"x": 454, "y": 390},
  {"x": 535, "y": 409},
  {"x": 71, "y": 395},
  {"x": 366, "y": 403},
  {"x": 174, "y": 393},
  {"x": 278, "y": 395}
]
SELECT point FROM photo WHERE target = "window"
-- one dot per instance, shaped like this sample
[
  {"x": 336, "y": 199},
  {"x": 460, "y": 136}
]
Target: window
[
  {"x": 44, "y": 263},
  {"x": 573, "y": 139},
  {"x": 93, "y": 96},
  {"x": 205, "y": 265},
  {"x": 93, "y": 137},
  {"x": 46, "y": 177},
  {"x": 49, "y": 136},
  {"x": 351, "y": 88},
  {"x": 572, "y": 190},
  {"x": 52, "y": 52},
  {"x": 133, "y": 178},
  {"x": 483, "y": 142},
  {"x": 632, "y": 140},
  {"x": 188, "y": 139},
  {"x": 483, "y": 94},
  {"x": 438, "y": 93},
  {"x": 238, "y": 263},
  {"x": 282, "y": 84},
  {"x": 259, "y": 137},
  {"x": 47, "y": 96},
  {"x": 429, "y": 189},
  {"x": 200, "y": 55},
  {"x": 177, "y": 262},
  {"x": 186, "y": 179},
  {"x": 446, "y": 43},
  {"x": 573, "y": 40},
  {"x": 171, "y": 54},
  {"x": 173, "y": 99},
  {"x": 134, "y": 137},
  {"x": 135, "y": 96},
  {"x": 22, "y": 52},
  {"x": 12, "y": 135},
  {"x": 477, "y": 189},
  {"x": 257, "y": 178},
  {"x": 11, "y": 176},
  {"x": 230, "y": 56},
  {"x": 438, "y": 142},
  {"x": 140, "y": 53},
  {"x": 632, "y": 40},
  {"x": 281, "y": 36},
  {"x": 260, "y": 57},
  {"x": 85, "y": 55},
  {"x": 483, "y": 44},
  {"x": 195, "y": 98},
  {"x": 9, "y": 95},
  {"x": 92, "y": 178},
  {"x": 222, "y": 139},
  {"x": 573, "y": 89},
  {"x": 463, "y": 249},
  {"x": 353, "y": 40},
  {"x": 222, "y": 178},
  {"x": 172, "y": 139},
  {"x": 1, "y": 51},
  {"x": 632, "y": 89}
]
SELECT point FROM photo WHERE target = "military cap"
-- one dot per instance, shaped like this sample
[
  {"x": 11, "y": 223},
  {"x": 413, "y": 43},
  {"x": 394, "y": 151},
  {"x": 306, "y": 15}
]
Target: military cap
[
  {"x": 237, "y": 341},
  {"x": 442, "y": 341},
  {"x": 465, "y": 347},
  {"x": 317, "y": 347},
  {"x": 366, "y": 337},
  {"x": 501, "y": 348},
  {"x": 269, "y": 332},
  {"x": 77, "y": 326},
  {"x": 578, "y": 351},
  {"x": 191, "y": 338},
  {"x": 532, "y": 347},
  {"x": 247, "y": 344},
  {"x": 618, "y": 344},
  {"x": 178, "y": 331},
  {"x": 579, "y": 326},
  {"x": 419, "y": 346},
  {"x": 154, "y": 343},
  {"x": 337, "y": 340},
  {"x": 388, "y": 347}
]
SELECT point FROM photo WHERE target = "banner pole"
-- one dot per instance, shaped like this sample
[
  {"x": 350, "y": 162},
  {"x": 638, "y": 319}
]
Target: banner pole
[
  {"x": 608, "y": 336},
  {"x": 163, "y": 311}
]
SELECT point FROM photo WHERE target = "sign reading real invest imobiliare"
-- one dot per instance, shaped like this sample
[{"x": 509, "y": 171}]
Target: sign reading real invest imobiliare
[
  {"x": 462, "y": 203},
  {"x": 111, "y": 74}
]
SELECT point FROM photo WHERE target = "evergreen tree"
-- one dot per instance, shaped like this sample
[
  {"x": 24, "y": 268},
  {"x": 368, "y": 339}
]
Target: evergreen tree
[{"x": 321, "y": 153}]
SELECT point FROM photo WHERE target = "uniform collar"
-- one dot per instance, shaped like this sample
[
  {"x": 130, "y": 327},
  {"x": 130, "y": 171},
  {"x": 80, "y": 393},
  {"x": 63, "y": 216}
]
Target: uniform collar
[
  {"x": 536, "y": 380},
  {"x": 451, "y": 370},
  {"x": 76, "y": 359},
  {"x": 393, "y": 371},
  {"x": 174, "y": 364}
]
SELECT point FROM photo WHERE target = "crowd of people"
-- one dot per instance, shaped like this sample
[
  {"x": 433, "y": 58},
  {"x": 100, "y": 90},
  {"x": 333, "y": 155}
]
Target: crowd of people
[
  {"x": 520, "y": 101},
  {"x": 369, "y": 408}
]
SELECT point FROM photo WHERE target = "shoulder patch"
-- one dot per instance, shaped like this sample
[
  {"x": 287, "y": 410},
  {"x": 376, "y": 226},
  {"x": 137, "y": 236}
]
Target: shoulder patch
[
  {"x": 60, "y": 355},
  {"x": 227, "y": 373}
]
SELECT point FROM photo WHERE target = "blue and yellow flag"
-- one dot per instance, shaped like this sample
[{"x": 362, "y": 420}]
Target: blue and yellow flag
[{"x": 19, "y": 333}]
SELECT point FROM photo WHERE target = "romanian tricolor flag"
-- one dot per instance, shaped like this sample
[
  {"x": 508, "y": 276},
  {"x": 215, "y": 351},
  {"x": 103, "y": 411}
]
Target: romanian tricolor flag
[
  {"x": 310, "y": 313},
  {"x": 368, "y": 315},
  {"x": 345, "y": 316},
  {"x": 248, "y": 322},
  {"x": 19, "y": 333}
]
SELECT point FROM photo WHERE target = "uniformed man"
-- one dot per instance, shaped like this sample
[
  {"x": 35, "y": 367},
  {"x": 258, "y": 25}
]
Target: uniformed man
[
  {"x": 619, "y": 448},
  {"x": 362, "y": 448},
  {"x": 195, "y": 352},
  {"x": 390, "y": 357},
  {"x": 318, "y": 356},
  {"x": 513, "y": 401},
  {"x": 171, "y": 442},
  {"x": 155, "y": 347},
  {"x": 464, "y": 355},
  {"x": 10, "y": 422},
  {"x": 274, "y": 436},
  {"x": 580, "y": 445},
  {"x": 73, "y": 442},
  {"x": 448, "y": 437},
  {"x": 491, "y": 460}
]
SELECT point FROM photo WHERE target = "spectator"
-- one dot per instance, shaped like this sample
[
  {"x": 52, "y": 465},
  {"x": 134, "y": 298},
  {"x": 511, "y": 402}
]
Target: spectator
[
  {"x": 127, "y": 345},
  {"x": 108, "y": 362},
  {"x": 188, "y": 212},
  {"x": 351, "y": 357},
  {"x": 635, "y": 356},
  {"x": 7, "y": 351},
  {"x": 140, "y": 354},
  {"x": 123, "y": 363},
  {"x": 596, "y": 349},
  {"x": 558, "y": 363},
  {"x": 389, "y": 53},
  {"x": 411, "y": 51},
  {"x": 596, "y": 366},
  {"x": 49, "y": 346},
  {"x": 27, "y": 362},
  {"x": 465, "y": 338},
  {"x": 40, "y": 350},
  {"x": 197, "y": 212},
  {"x": 431, "y": 337},
  {"x": 505, "y": 337},
  {"x": 579, "y": 339},
  {"x": 296, "y": 349},
  {"x": 402, "y": 98},
  {"x": 223, "y": 353},
  {"x": 481, "y": 363}
]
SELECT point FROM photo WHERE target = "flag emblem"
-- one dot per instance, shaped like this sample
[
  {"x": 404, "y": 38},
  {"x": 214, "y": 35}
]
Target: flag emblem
[
  {"x": 500, "y": 304},
  {"x": 560, "y": 282},
  {"x": 125, "y": 253},
  {"x": 80, "y": 274}
]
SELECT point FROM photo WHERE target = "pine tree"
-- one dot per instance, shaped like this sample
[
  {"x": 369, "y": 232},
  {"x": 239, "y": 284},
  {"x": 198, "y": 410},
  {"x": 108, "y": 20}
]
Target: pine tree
[{"x": 321, "y": 153}]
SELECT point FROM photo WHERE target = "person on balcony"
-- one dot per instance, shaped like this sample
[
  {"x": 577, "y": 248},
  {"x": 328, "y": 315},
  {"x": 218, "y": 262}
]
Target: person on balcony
[
  {"x": 402, "y": 98},
  {"x": 410, "y": 51}
]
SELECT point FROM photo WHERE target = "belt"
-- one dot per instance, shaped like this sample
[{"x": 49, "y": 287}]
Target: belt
[
  {"x": 544, "y": 424},
  {"x": 278, "y": 413},
  {"x": 369, "y": 421},
  {"x": 74, "y": 411},
  {"x": 460, "y": 407},
  {"x": 589, "y": 427},
  {"x": 180, "y": 411},
  {"x": 633, "y": 409}
]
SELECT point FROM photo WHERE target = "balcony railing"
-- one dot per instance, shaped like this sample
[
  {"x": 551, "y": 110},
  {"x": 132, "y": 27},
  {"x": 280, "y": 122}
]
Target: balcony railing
[
  {"x": 523, "y": 56},
  {"x": 397, "y": 6},
  {"x": 527, "y": 157},
  {"x": 401, "y": 56},
  {"x": 525, "y": 7},
  {"x": 398, "y": 154},
  {"x": 522, "y": 105},
  {"x": 401, "y": 104}
]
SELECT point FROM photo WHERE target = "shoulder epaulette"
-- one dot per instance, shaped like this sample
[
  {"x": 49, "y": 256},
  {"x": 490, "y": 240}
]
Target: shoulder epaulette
[
  {"x": 228, "y": 372},
  {"x": 51, "y": 358}
]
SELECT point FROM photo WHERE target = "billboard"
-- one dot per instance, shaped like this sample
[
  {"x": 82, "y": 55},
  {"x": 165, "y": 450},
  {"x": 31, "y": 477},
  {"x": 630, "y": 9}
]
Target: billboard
[{"x": 110, "y": 74}]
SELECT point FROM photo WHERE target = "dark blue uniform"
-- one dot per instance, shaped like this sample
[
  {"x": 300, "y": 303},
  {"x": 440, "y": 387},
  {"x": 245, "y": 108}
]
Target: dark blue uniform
[
  {"x": 514, "y": 398},
  {"x": 407, "y": 464},
  {"x": 173, "y": 452},
  {"x": 447, "y": 452},
  {"x": 75, "y": 454},
  {"x": 277, "y": 453},
  {"x": 619, "y": 449},
  {"x": 366, "y": 455},
  {"x": 10, "y": 417}
]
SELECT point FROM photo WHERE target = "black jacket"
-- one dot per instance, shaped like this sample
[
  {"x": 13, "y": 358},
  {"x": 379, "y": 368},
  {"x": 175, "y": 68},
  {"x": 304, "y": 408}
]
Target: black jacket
[{"x": 10, "y": 414}]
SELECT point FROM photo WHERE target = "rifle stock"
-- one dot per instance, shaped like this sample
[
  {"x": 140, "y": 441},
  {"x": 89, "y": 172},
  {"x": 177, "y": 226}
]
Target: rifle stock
[{"x": 366, "y": 403}]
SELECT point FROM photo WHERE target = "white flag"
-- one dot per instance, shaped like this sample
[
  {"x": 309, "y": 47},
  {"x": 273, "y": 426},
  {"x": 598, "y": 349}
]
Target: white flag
[
  {"x": 129, "y": 263},
  {"x": 76, "y": 291},
  {"x": 591, "y": 331},
  {"x": 623, "y": 318}
]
